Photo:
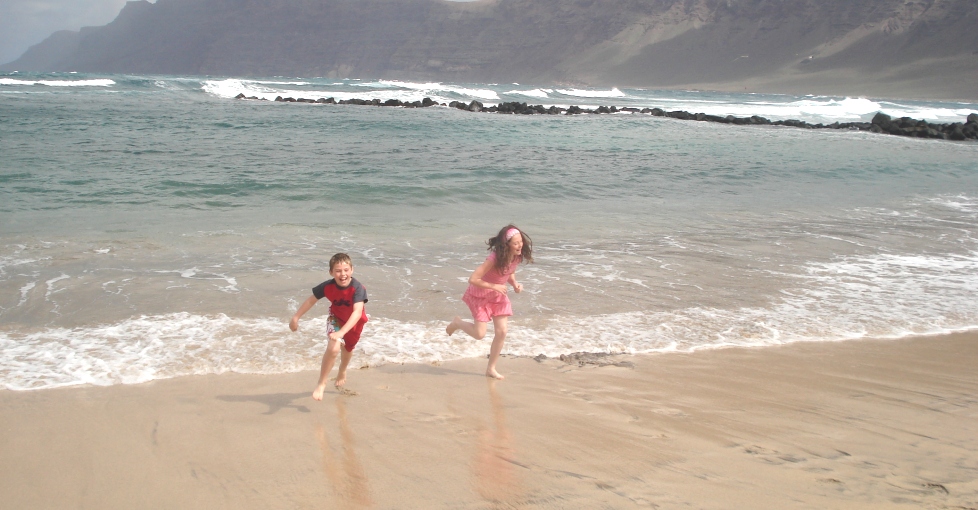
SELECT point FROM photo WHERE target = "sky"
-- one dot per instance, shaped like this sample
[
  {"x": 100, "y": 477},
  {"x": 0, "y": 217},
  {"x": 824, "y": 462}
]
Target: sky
[{"x": 24, "y": 23}]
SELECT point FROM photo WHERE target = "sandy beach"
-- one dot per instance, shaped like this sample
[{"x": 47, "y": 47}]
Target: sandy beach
[{"x": 858, "y": 424}]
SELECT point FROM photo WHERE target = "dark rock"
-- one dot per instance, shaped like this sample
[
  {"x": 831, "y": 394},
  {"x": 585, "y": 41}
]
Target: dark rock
[
  {"x": 426, "y": 102},
  {"x": 881, "y": 119},
  {"x": 759, "y": 120},
  {"x": 957, "y": 134},
  {"x": 392, "y": 102},
  {"x": 475, "y": 106},
  {"x": 574, "y": 110},
  {"x": 658, "y": 112},
  {"x": 279, "y": 98},
  {"x": 602, "y": 109},
  {"x": 679, "y": 114},
  {"x": 240, "y": 96},
  {"x": 973, "y": 118},
  {"x": 906, "y": 122},
  {"x": 630, "y": 109},
  {"x": 540, "y": 357}
]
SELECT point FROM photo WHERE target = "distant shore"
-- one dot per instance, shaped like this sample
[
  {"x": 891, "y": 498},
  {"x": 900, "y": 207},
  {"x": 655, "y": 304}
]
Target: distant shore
[{"x": 856, "y": 424}]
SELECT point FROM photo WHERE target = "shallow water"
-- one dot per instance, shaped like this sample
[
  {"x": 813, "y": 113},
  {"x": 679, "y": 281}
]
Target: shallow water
[{"x": 153, "y": 227}]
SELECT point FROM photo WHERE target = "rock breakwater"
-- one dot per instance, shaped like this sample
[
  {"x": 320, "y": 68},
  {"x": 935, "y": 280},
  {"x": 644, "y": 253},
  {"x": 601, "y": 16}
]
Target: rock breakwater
[{"x": 881, "y": 123}]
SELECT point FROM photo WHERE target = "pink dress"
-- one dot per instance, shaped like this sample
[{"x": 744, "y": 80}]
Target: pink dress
[{"x": 487, "y": 303}]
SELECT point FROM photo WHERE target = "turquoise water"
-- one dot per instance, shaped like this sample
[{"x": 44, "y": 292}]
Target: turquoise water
[{"x": 154, "y": 227}]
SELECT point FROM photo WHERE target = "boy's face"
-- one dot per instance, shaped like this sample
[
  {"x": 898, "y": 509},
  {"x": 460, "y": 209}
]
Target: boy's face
[{"x": 342, "y": 272}]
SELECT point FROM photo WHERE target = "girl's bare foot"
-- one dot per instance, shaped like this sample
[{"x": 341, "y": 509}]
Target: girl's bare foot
[
  {"x": 491, "y": 372},
  {"x": 317, "y": 394},
  {"x": 340, "y": 380},
  {"x": 453, "y": 326}
]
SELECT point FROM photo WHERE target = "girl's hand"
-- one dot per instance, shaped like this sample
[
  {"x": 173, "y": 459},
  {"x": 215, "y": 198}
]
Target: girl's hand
[
  {"x": 500, "y": 288},
  {"x": 294, "y": 324},
  {"x": 518, "y": 287}
]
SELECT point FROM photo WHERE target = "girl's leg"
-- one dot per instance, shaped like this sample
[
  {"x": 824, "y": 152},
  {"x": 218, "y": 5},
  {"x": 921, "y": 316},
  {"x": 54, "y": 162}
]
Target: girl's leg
[
  {"x": 499, "y": 324},
  {"x": 345, "y": 357},
  {"x": 333, "y": 349},
  {"x": 475, "y": 330}
]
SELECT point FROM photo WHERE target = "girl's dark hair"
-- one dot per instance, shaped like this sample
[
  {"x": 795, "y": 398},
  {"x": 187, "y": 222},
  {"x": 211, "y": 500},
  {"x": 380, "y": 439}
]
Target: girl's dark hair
[{"x": 499, "y": 246}]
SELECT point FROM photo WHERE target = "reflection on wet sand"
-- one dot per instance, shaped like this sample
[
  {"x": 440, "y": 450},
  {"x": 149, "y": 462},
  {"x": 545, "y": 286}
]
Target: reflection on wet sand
[
  {"x": 494, "y": 467},
  {"x": 346, "y": 475}
]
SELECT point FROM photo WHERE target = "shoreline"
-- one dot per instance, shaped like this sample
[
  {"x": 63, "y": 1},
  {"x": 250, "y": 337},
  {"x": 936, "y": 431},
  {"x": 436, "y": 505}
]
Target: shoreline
[{"x": 854, "y": 424}]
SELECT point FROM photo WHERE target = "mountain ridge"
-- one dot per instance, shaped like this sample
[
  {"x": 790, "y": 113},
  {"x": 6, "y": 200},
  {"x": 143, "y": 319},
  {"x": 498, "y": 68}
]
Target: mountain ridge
[{"x": 886, "y": 48}]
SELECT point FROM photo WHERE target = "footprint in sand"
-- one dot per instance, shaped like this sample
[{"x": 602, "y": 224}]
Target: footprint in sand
[{"x": 347, "y": 392}]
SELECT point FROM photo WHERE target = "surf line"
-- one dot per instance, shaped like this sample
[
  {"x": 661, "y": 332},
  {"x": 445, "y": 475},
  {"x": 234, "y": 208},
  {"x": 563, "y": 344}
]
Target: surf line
[{"x": 881, "y": 123}]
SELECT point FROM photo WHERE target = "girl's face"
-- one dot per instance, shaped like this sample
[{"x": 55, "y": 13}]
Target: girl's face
[{"x": 515, "y": 244}]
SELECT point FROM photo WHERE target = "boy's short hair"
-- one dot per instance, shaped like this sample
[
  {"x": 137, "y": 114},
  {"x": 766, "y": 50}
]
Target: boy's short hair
[{"x": 339, "y": 258}]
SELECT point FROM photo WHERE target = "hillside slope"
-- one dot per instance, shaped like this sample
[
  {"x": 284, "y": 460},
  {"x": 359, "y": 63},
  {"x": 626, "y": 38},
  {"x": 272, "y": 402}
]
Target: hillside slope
[{"x": 899, "y": 48}]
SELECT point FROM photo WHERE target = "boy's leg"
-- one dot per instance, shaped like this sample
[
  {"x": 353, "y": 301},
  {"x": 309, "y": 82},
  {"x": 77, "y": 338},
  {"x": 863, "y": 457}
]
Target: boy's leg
[
  {"x": 499, "y": 324},
  {"x": 345, "y": 357},
  {"x": 476, "y": 330},
  {"x": 329, "y": 357}
]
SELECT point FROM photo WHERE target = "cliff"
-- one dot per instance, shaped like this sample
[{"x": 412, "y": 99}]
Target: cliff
[{"x": 897, "y": 48}]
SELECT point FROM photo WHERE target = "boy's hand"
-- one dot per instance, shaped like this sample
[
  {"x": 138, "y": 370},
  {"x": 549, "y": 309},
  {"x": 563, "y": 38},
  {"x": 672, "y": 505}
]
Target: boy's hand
[
  {"x": 518, "y": 287},
  {"x": 336, "y": 336},
  {"x": 294, "y": 324}
]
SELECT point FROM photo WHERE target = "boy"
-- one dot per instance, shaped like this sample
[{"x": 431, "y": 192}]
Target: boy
[{"x": 346, "y": 318}]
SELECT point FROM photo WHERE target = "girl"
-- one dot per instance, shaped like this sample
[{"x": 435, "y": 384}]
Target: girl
[{"x": 486, "y": 295}]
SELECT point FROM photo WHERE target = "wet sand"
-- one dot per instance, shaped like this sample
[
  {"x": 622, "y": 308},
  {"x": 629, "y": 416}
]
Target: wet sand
[{"x": 860, "y": 424}]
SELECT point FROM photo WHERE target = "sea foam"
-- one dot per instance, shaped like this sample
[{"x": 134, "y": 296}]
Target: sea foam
[{"x": 102, "y": 82}]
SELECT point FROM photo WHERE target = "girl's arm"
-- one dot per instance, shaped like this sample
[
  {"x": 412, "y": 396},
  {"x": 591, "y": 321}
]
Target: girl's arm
[
  {"x": 294, "y": 323},
  {"x": 350, "y": 323},
  {"x": 476, "y": 278},
  {"x": 516, "y": 285}
]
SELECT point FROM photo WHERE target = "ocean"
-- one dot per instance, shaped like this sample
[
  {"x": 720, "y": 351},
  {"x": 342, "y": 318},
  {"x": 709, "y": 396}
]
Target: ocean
[{"x": 154, "y": 227}]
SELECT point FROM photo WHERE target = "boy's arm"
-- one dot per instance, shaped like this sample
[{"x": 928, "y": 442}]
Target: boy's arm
[
  {"x": 516, "y": 285},
  {"x": 350, "y": 323},
  {"x": 294, "y": 323}
]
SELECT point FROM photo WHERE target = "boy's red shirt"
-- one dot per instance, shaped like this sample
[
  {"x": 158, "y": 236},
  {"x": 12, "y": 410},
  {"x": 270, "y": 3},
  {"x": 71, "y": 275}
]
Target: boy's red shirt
[{"x": 342, "y": 299}]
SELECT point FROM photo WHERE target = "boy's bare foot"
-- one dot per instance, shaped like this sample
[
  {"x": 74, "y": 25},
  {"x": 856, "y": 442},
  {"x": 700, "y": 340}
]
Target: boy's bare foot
[
  {"x": 491, "y": 372},
  {"x": 452, "y": 326},
  {"x": 340, "y": 380},
  {"x": 317, "y": 394}
]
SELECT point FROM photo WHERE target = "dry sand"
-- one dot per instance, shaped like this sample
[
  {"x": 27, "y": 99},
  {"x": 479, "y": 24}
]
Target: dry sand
[{"x": 861, "y": 424}]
